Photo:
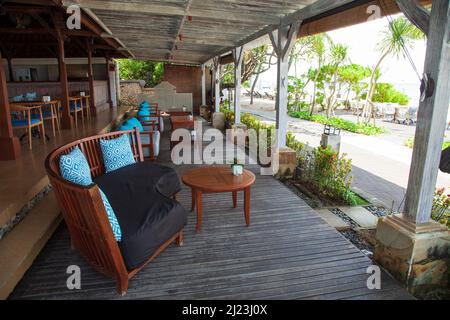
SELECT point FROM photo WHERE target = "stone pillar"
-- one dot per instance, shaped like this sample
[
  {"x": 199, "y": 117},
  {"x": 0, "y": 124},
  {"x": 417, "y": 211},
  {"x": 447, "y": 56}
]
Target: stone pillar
[{"x": 284, "y": 162}]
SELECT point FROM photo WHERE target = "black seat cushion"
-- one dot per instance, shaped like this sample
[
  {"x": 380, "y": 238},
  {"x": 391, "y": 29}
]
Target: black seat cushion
[{"x": 140, "y": 195}]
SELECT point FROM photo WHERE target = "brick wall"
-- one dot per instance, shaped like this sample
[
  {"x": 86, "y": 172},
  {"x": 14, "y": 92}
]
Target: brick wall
[{"x": 187, "y": 79}]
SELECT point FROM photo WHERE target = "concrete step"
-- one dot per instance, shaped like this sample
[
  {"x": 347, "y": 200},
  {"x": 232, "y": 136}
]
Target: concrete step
[
  {"x": 21, "y": 245},
  {"x": 333, "y": 220},
  {"x": 361, "y": 216}
]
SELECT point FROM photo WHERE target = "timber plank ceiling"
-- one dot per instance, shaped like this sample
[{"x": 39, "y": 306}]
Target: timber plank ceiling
[{"x": 187, "y": 31}]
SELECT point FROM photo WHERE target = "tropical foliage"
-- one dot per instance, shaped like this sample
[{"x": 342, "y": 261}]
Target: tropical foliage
[
  {"x": 440, "y": 211},
  {"x": 150, "y": 72},
  {"x": 399, "y": 37},
  {"x": 410, "y": 143},
  {"x": 362, "y": 128},
  {"x": 385, "y": 92},
  {"x": 323, "y": 170},
  {"x": 328, "y": 174}
]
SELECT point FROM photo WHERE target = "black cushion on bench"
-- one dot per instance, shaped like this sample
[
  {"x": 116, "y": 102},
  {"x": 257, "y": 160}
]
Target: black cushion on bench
[{"x": 140, "y": 196}]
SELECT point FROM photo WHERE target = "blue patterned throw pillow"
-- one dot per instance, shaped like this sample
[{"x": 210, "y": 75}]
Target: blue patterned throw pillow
[
  {"x": 117, "y": 153},
  {"x": 75, "y": 168}
]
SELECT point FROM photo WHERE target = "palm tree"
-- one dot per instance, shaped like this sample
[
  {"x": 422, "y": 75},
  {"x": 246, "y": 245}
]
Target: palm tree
[
  {"x": 399, "y": 35},
  {"x": 338, "y": 56},
  {"x": 318, "y": 53}
]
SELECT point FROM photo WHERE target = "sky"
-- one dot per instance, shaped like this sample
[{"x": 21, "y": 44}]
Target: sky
[{"x": 362, "y": 42}]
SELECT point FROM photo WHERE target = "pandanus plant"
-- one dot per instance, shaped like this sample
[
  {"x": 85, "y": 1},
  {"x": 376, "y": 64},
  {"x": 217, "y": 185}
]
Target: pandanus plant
[{"x": 397, "y": 39}]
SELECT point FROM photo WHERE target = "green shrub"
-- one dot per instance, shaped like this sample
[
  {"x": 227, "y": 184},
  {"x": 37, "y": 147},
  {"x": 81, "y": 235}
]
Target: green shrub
[
  {"x": 329, "y": 174},
  {"x": 323, "y": 169},
  {"x": 385, "y": 92},
  {"x": 362, "y": 128},
  {"x": 410, "y": 143},
  {"x": 440, "y": 211}
]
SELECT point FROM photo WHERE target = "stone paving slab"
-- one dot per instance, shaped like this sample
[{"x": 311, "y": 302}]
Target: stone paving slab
[
  {"x": 361, "y": 216},
  {"x": 333, "y": 220}
]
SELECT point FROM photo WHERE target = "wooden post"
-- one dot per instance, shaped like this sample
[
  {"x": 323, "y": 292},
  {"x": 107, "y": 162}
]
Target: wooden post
[
  {"x": 117, "y": 77},
  {"x": 91, "y": 77},
  {"x": 282, "y": 41},
  {"x": 432, "y": 118},
  {"x": 9, "y": 144},
  {"x": 10, "y": 70},
  {"x": 203, "y": 85},
  {"x": 66, "y": 118},
  {"x": 216, "y": 77},
  {"x": 238, "y": 55},
  {"x": 108, "y": 79}
]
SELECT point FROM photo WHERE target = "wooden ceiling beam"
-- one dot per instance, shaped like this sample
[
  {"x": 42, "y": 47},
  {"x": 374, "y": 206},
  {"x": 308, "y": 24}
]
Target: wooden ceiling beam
[
  {"x": 174, "y": 10},
  {"x": 350, "y": 17},
  {"x": 179, "y": 35},
  {"x": 78, "y": 33},
  {"x": 315, "y": 9}
]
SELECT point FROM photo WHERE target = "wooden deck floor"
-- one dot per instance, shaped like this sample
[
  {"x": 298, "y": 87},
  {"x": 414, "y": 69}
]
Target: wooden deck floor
[{"x": 288, "y": 252}]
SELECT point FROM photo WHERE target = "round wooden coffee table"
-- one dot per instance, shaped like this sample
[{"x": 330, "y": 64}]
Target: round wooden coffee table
[{"x": 218, "y": 180}]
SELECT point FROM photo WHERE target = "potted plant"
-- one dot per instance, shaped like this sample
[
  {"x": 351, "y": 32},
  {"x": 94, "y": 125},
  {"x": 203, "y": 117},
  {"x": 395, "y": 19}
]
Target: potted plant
[{"x": 236, "y": 168}]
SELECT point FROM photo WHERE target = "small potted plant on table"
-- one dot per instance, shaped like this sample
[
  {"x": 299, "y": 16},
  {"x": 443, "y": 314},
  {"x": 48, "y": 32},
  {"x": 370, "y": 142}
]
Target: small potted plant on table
[{"x": 236, "y": 168}]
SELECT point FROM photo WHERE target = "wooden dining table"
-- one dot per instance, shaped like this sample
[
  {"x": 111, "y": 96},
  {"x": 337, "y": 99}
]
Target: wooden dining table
[{"x": 52, "y": 104}]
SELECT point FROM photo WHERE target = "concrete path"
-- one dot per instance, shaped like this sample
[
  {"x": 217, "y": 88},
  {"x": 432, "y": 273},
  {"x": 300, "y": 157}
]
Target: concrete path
[{"x": 380, "y": 163}]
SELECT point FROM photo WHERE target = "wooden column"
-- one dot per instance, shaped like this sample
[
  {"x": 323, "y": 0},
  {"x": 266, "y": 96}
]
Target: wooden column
[
  {"x": 238, "y": 55},
  {"x": 282, "y": 41},
  {"x": 66, "y": 118},
  {"x": 91, "y": 77},
  {"x": 216, "y": 63},
  {"x": 108, "y": 79},
  {"x": 10, "y": 70},
  {"x": 432, "y": 118},
  {"x": 117, "y": 82},
  {"x": 9, "y": 144},
  {"x": 203, "y": 85}
]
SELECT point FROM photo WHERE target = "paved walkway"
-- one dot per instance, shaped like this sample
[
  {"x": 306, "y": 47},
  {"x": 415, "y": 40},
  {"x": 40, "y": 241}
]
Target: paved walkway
[{"x": 380, "y": 163}]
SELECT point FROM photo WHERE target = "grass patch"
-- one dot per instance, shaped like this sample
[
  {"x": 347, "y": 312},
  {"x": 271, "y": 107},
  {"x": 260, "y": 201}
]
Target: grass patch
[
  {"x": 361, "y": 128},
  {"x": 410, "y": 143}
]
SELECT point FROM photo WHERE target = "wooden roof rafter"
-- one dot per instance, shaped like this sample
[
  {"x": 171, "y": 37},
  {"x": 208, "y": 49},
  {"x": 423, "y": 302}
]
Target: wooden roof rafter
[
  {"x": 179, "y": 34},
  {"x": 40, "y": 11}
]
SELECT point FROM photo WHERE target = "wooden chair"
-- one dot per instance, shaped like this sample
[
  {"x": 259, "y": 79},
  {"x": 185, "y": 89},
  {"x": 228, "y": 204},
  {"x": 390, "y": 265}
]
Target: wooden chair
[
  {"x": 156, "y": 115},
  {"x": 86, "y": 105},
  {"x": 151, "y": 135},
  {"x": 85, "y": 214},
  {"x": 25, "y": 118},
  {"x": 77, "y": 108},
  {"x": 52, "y": 114}
]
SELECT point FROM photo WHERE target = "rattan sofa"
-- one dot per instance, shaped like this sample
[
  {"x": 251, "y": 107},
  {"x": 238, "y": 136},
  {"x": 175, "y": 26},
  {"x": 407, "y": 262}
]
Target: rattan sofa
[{"x": 86, "y": 219}]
